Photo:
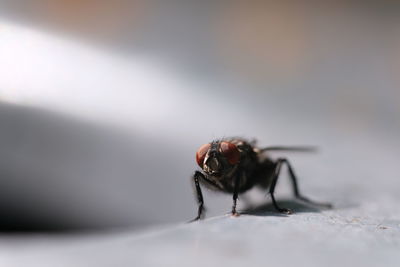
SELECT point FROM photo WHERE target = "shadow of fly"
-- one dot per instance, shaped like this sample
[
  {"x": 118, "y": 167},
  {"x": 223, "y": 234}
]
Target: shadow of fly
[{"x": 235, "y": 165}]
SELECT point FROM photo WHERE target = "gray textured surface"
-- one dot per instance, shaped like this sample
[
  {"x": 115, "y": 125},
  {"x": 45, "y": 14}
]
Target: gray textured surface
[{"x": 367, "y": 235}]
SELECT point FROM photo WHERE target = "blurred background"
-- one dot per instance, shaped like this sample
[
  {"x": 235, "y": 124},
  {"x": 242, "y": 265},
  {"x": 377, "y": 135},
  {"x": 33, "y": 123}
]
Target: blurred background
[{"x": 104, "y": 103}]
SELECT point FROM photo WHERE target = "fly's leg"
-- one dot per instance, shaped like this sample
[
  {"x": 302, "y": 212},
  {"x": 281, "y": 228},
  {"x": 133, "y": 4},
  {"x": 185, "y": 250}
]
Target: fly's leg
[
  {"x": 235, "y": 195},
  {"x": 197, "y": 175},
  {"x": 278, "y": 166},
  {"x": 296, "y": 191}
]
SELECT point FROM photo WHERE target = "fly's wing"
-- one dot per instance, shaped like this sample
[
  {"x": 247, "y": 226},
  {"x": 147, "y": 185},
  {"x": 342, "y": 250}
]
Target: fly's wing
[{"x": 290, "y": 148}]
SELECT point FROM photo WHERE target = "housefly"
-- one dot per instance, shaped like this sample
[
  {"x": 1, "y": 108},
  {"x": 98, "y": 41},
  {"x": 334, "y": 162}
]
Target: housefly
[{"x": 235, "y": 165}]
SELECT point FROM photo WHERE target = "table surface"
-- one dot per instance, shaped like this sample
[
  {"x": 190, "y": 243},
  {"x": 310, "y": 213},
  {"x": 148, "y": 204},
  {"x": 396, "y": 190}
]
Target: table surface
[{"x": 362, "y": 235}]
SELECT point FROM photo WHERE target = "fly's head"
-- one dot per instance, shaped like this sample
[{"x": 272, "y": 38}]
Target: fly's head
[{"x": 218, "y": 158}]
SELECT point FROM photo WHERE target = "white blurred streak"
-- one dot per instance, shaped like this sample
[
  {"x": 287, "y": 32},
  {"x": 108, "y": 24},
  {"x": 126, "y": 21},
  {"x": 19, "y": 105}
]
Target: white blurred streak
[{"x": 45, "y": 70}]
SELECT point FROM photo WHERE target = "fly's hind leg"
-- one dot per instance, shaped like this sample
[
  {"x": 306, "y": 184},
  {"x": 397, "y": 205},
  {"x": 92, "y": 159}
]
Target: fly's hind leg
[
  {"x": 296, "y": 190},
  {"x": 275, "y": 177}
]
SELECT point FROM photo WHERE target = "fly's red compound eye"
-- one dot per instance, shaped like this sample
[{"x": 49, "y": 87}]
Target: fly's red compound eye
[
  {"x": 230, "y": 152},
  {"x": 201, "y": 154}
]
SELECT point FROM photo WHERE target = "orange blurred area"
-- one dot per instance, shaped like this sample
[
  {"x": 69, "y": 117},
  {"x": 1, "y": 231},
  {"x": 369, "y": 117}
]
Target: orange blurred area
[
  {"x": 96, "y": 19},
  {"x": 265, "y": 39}
]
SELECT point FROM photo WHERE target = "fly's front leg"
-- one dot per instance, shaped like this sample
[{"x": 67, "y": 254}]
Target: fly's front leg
[
  {"x": 235, "y": 195},
  {"x": 198, "y": 175},
  {"x": 278, "y": 166}
]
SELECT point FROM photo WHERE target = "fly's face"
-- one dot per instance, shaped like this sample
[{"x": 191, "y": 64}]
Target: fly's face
[{"x": 218, "y": 158}]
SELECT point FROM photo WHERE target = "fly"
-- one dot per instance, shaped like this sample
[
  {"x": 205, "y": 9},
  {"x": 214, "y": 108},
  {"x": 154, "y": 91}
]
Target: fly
[{"x": 234, "y": 166}]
